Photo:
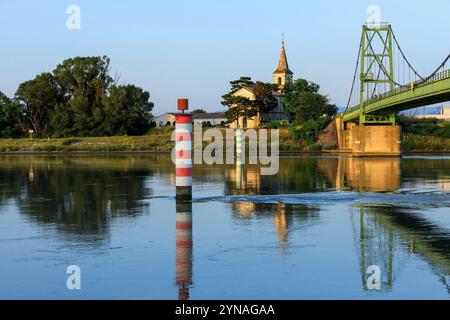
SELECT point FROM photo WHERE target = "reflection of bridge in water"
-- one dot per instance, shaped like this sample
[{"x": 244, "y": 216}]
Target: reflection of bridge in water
[
  {"x": 384, "y": 235},
  {"x": 387, "y": 235},
  {"x": 367, "y": 174}
]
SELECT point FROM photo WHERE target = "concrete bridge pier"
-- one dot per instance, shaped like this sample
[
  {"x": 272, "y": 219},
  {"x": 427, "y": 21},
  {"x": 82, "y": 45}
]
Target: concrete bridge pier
[{"x": 368, "y": 140}]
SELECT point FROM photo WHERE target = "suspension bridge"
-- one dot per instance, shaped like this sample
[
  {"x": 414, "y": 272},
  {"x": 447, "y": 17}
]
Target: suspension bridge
[{"x": 385, "y": 83}]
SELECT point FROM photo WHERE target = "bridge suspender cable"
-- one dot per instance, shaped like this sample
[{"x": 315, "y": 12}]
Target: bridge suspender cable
[
  {"x": 354, "y": 76},
  {"x": 423, "y": 80},
  {"x": 417, "y": 80},
  {"x": 404, "y": 57}
]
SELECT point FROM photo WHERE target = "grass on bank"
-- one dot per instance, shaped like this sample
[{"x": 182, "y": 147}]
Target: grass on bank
[
  {"x": 292, "y": 140},
  {"x": 418, "y": 143}
]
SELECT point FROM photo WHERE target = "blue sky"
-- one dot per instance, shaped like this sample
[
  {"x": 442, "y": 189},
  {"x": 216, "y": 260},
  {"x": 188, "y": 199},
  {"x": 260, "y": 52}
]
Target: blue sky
[{"x": 194, "y": 48}]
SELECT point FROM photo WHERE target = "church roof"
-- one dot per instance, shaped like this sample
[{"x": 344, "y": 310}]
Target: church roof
[
  {"x": 283, "y": 66},
  {"x": 212, "y": 115},
  {"x": 247, "y": 88}
]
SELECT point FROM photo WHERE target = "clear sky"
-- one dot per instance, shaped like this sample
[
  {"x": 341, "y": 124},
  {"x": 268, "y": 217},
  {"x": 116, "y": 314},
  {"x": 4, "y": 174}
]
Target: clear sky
[{"x": 194, "y": 48}]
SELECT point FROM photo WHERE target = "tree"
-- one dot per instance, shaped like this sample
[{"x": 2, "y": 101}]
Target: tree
[
  {"x": 242, "y": 82},
  {"x": 239, "y": 107},
  {"x": 198, "y": 111},
  {"x": 304, "y": 102},
  {"x": 265, "y": 100},
  {"x": 80, "y": 98},
  {"x": 239, "y": 104},
  {"x": 38, "y": 99},
  {"x": 127, "y": 111},
  {"x": 85, "y": 82},
  {"x": 9, "y": 117},
  {"x": 244, "y": 107}
]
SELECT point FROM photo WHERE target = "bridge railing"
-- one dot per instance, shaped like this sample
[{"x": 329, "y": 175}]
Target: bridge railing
[{"x": 435, "y": 78}]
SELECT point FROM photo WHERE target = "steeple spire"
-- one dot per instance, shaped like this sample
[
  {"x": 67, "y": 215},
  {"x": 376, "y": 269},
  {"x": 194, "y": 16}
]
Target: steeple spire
[
  {"x": 282, "y": 74},
  {"x": 283, "y": 66}
]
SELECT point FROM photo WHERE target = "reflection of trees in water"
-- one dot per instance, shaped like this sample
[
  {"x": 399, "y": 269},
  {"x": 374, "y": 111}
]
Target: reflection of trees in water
[
  {"x": 386, "y": 236},
  {"x": 417, "y": 172},
  {"x": 296, "y": 175},
  {"x": 284, "y": 216},
  {"x": 78, "y": 194}
]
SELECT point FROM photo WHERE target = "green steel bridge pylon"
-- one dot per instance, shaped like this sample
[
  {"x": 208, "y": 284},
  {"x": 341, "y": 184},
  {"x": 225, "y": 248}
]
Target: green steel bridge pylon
[
  {"x": 382, "y": 93},
  {"x": 376, "y": 56}
]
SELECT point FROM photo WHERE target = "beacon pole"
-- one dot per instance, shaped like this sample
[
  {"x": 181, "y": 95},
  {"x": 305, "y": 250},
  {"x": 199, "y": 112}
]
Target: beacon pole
[{"x": 183, "y": 149}]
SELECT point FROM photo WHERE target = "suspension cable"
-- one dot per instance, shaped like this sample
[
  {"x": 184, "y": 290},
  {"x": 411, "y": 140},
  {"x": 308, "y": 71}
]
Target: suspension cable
[
  {"x": 354, "y": 76},
  {"x": 404, "y": 57}
]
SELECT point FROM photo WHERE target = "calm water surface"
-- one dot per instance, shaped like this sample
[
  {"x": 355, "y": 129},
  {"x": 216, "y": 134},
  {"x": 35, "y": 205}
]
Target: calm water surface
[{"x": 309, "y": 232}]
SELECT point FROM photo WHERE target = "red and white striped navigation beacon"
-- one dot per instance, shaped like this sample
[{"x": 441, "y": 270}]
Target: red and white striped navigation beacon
[{"x": 183, "y": 149}]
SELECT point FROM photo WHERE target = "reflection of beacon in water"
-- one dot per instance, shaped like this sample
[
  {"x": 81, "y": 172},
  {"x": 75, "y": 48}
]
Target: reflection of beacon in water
[
  {"x": 184, "y": 248},
  {"x": 238, "y": 173}
]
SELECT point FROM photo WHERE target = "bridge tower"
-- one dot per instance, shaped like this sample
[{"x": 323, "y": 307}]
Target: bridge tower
[{"x": 377, "y": 69}]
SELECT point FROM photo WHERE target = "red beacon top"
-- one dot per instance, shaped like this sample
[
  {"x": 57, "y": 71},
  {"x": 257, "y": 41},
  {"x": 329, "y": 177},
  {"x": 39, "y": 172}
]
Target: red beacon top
[{"x": 183, "y": 104}]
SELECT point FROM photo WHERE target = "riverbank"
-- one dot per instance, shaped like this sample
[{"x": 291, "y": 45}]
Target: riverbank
[{"x": 160, "y": 142}]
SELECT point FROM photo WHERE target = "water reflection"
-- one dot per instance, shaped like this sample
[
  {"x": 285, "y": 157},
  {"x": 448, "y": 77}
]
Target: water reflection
[
  {"x": 368, "y": 174},
  {"x": 387, "y": 236},
  {"x": 184, "y": 246},
  {"x": 82, "y": 197},
  {"x": 319, "y": 174},
  {"x": 79, "y": 195}
]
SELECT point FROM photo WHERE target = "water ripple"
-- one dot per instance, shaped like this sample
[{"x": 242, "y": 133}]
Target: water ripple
[{"x": 328, "y": 198}]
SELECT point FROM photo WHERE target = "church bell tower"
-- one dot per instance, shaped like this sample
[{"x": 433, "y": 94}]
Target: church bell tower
[{"x": 282, "y": 74}]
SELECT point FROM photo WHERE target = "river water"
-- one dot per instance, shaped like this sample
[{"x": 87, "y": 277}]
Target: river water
[{"x": 316, "y": 230}]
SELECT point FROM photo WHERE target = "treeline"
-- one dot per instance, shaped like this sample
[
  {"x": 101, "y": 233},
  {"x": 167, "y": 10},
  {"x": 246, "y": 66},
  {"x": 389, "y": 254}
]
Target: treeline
[
  {"x": 78, "y": 98},
  {"x": 425, "y": 127}
]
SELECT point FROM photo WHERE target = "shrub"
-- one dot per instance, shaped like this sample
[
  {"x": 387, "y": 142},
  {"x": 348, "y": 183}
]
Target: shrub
[
  {"x": 46, "y": 148},
  {"x": 425, "y": 127},
  {"x": 314, "y": 147},
  {"x": 311, "y": 129},
  {"x": 275, "y": 124},
  {"x": 70, "y": 141}
]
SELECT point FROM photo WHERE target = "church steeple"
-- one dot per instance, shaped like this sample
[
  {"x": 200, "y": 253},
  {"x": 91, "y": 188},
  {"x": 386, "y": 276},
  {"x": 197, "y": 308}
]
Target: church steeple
[{"x": 282, "y": 74}]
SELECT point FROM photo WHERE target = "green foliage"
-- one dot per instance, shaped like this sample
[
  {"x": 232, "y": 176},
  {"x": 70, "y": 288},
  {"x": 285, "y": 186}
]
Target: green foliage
[
  {"x": 293, "y": 89},
  {"x": 425, "y": 127},
  {"x": 110, "y": 148},
  {"x": 278, "y": 124},
  {"x": 198, "y": 111},
  {"x": 411, "y": 142},
  {"x": 46, "y": 148},
  {"x": 38, "y": 99},
  {"x": 314, "y": 147},
  {"x": 304, "y": 102},
  {"x": 242, "y": 82},
  {"x": 126, "y": 111},
  {"x": 244, "y": 107},
  {"x": 9, "y": 117},
  {"x": 239, "y": 107},
  {"x": 265, "y": 100},
  {"x": 70, "y": 141},
  {"x": 311, "y": 129},
  {"x": 80, "y": 99},
  {"x": 85, "y": 81}
]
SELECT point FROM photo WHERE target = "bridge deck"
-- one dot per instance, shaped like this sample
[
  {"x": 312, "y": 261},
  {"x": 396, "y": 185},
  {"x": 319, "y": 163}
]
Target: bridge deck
[{"x": 434, "y": 90}]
